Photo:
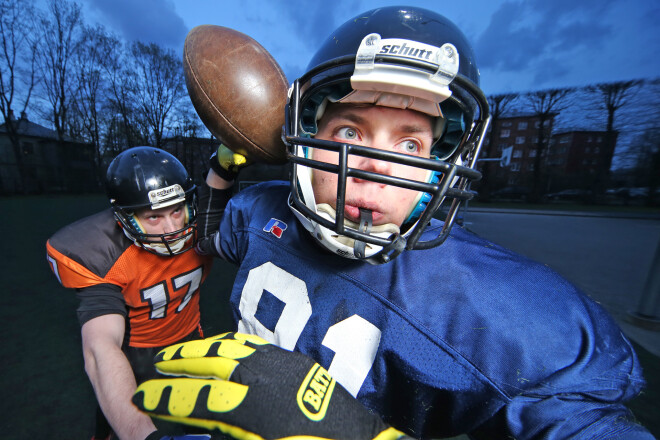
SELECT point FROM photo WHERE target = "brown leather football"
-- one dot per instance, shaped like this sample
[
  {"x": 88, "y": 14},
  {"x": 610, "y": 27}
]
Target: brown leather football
[{"x": 238, "y": 90}]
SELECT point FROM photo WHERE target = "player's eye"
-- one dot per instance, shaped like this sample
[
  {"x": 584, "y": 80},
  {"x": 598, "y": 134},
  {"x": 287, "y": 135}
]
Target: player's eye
[
  {"x": 410, "y": 147},
  {"x": 347, "y": 133}
]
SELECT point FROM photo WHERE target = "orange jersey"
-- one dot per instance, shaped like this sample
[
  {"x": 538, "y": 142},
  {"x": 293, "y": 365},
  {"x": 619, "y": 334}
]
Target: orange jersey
[{"x": 161, "y": 293}]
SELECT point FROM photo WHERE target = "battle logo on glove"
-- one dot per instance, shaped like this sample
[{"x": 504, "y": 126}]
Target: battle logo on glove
[{"x": 315, "y": 393}]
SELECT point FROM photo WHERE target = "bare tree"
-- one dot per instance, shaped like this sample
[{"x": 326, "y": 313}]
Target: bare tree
[
  {"x": 648, "y": 163},
  {"x": 545, "y": 105},
  {"x": 160, "y": 86},
  {"x": 59, "y": 41},
  {"x": 612, "y": 97},
  {"x": 124, "y": 129},
  {"x": 498, "y": 106},
  {"x": 17, "y": 69},
  {"x": 91, "y": 94}
]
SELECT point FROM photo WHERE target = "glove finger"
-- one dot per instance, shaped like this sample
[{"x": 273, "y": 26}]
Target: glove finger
[
  {"x": 230, "y": 160},
  {"x": 212, "y": 357},
  {"x": 192, "y": 402},
  {"x": 179, "y": 397},
  {"x": 202, "y": 358},
  {"x": 204, "y": 367},
  {"x": 252, "y": 339}
]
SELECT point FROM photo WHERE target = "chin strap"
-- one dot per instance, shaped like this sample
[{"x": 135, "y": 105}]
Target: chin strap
[
  {"x": 366, "y": 221},
  {"x": 366, "y": 226},
  {"x": 387, "y": 253}
]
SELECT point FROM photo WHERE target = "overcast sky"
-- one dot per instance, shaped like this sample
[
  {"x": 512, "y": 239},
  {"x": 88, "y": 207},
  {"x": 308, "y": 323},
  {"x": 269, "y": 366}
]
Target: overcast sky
[{"x": 519, "y": 45}]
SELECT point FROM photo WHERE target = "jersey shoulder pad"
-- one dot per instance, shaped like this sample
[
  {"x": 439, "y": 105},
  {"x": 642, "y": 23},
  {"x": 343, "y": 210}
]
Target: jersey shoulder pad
[{"x": 88, "y": 247}]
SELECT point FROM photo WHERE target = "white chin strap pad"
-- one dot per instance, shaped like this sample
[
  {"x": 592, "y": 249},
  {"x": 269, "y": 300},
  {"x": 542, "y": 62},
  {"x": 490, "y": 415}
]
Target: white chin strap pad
[{"x": 348, "y": 244}]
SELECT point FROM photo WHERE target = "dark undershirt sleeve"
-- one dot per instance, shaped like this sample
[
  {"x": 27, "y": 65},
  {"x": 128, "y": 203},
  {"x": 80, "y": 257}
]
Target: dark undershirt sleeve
[
  {"x": 99, "y": 300},
  {"x": 211, "y": 206}
]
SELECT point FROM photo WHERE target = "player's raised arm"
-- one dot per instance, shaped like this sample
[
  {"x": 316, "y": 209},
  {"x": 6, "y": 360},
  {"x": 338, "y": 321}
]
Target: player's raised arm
[{"x": 239, "y": 92}]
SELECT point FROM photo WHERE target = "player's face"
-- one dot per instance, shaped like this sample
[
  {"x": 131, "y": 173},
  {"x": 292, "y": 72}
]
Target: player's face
[
  {"x": 163, "y": 220},
  {"x": 400, "y": 131}
]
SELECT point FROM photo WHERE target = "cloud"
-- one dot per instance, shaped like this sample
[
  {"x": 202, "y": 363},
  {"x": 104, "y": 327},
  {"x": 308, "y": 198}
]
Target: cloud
[
  {"x": 545, "y": 38},
  {"x": 149, "y": 21},
  {"x": 297, "y": 30}
]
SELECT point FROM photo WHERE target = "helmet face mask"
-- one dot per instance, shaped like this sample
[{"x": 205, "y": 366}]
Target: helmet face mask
[
  {"x": 146, "y": 178},
  {"x": 405, "y": 58}
]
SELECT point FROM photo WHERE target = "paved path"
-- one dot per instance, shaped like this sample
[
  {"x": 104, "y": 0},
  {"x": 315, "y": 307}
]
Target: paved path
[{"x": 608, "y": 257}]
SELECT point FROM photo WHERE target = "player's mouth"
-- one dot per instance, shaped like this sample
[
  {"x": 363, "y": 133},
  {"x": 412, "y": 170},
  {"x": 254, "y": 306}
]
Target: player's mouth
[{"x": 352, "y": 211}]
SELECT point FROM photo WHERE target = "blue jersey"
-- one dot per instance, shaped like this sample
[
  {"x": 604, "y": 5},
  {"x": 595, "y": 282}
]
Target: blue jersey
[{"x": 467, "y": 337}]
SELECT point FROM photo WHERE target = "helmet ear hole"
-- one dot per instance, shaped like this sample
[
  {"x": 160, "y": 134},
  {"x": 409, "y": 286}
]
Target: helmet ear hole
[{"x": 453, "y": 132}]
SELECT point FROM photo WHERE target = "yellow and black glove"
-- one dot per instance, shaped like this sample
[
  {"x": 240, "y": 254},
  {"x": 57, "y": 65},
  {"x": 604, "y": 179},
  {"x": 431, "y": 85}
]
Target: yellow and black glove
[
  {"x": 226, "y": 164},
  {"x": 252, "y": 390}
]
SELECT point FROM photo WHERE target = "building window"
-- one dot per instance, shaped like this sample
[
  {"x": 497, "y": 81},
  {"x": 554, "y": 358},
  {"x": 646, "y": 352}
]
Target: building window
[
  {"x": 517, "y": 153},
  {"x": 522, "y": 125},
  {"x": 596, "y": 150},
  {"x": 505, "y": 133},
  {"x": 530, "y": 167},
  {"x": 565, "y": 140},
  {"x": 520, "y": 140},
  {"x": 587, "y": 149},
  {"x": 532, "y": 153},
  {"x": 515, "y": 166},
  {"x": 506, "y": 124},
  {"x": 28, "y": 148}
]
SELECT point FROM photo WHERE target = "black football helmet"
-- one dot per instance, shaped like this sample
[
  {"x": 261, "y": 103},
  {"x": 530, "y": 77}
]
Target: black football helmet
[
  {"x": 401, "y": 57},
  {"x": 147, "y": 177}
]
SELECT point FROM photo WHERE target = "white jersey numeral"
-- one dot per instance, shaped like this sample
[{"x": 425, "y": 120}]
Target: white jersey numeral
[
  {"x": 285, "y": 287},
  {"x": 158, "y": 296},
  {"x": 53, "y": 265},
  {"x": 192, "y": 279},
  {"x": 354, "y": 340}
]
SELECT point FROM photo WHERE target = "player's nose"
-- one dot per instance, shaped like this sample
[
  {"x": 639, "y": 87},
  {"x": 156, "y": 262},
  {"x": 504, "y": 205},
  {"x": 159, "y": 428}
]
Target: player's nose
[
  {"x": 169, "y": 224},
  {"x": 373, "y": 165}
]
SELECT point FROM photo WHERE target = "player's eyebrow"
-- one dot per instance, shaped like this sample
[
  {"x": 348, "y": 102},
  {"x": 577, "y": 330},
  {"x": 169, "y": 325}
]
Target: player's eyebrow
[
  {"x": 348, "y": 116},
  {"x": 412, "y": 129},
  {"x": 357, "y": 119}
]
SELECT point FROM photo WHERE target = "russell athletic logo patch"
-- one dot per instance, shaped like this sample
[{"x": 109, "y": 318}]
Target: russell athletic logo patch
[
  {"x": 275, "y": 227},
  {"x": 315, "y": 392}
]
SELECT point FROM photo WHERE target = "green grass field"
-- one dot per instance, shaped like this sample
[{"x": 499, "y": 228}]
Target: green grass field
[{"x": 46, "y": 393}]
